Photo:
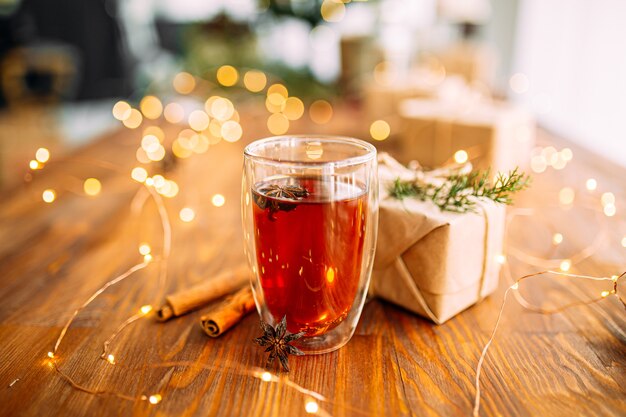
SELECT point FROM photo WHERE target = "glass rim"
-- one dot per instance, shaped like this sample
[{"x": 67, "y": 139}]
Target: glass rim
[{"x": 350, "y": 161}]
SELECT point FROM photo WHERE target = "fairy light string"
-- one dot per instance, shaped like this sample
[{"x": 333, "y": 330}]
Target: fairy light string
[{"x": 514, "y": 287}]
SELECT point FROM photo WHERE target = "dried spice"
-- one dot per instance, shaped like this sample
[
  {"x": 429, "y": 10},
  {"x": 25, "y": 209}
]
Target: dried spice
[
  {"x": 276, "y": 197},
  {"x": 277, "y": 341}
]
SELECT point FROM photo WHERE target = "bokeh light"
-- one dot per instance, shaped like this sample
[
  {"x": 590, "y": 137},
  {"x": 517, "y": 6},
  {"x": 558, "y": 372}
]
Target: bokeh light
[
  {"x": 461, "y": 156},
  {"x": 519, "y": 83},
  {"x": 222, "y": 108},
  {"x": 321, "y": 111},
  {"x": 174, "y": 113},
  {"x": 121, "y": 110},
  {"x": 379, "y": 130},
  {"x": 151, "y": 107},
  {"x": 231, "y": 131},
  {"x": 227, "y": 75},
  {"x": 254, "y": 81},
  {"x": 278, "y": 89},
  {"x": 591, "y": 184},
  {"x": 42, "y": 155},
  {"x": 49, "y": 195},
  {"x": 333, "y": 11},
  {"x": 92, "y": 186},
  {"x": 277, "y": 124},
  {"x": 293, "y": 108},
  {"x": 218, "y": 200},
  {"x": 187, "y": 214},
  {"x": 139, "y": 174},
  {"x": 133, "y": 120},
  {"x": 184, "y": 83},
  {"x": 198, "y": 120}
]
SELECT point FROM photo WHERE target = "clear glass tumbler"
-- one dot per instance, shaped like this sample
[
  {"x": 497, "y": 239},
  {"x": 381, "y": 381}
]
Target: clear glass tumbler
[{"x": 310, "y": 217}]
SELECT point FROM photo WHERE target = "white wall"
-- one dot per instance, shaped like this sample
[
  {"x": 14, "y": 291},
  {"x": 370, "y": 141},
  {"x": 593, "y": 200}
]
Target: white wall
[{"x": 574, "y": 55}]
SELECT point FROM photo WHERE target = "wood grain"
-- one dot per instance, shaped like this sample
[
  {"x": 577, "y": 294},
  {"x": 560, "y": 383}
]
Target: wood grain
[{"x": 54, "y": 256}]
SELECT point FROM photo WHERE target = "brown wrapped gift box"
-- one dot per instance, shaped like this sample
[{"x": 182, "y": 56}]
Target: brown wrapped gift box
[
  {"x": 494, "y": 134},
  {"x": 434, "y": 263}
]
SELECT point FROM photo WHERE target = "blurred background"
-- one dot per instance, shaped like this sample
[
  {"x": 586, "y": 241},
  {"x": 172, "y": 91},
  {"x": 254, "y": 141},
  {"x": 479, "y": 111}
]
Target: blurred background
[{"x": 386, "y": 70}]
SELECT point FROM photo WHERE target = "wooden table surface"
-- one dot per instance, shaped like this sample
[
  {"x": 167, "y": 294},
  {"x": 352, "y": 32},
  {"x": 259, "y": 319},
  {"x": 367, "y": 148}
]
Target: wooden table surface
[{"x": 54, "y": 256}]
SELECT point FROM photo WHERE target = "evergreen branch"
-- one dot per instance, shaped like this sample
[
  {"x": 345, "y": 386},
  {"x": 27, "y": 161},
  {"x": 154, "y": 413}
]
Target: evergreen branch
[{"x": 458, "y": 193}]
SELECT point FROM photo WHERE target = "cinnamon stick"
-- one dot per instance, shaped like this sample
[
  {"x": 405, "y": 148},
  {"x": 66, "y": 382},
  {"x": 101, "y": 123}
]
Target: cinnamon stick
[
  {"x": 189, "y": 299},
  {"x": 225, "y": 315}
]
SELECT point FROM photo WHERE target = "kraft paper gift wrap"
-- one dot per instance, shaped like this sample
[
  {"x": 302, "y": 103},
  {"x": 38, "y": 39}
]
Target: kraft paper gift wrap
[
  {"x": 495, "y": 135},
  {"x": 431, "y": 262}
]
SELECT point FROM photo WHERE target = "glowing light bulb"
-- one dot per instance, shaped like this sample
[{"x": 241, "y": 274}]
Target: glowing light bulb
[
  {"x": 379, "y": 130},
  {"x": 515, "y": 286},
  {"x": 139, "y": 174},
  {"x": 111, "y": 359},
  {"x": 311, "y": 407},
  {"x": 42, "y": 155},
  {"x": 187, "y": 214},
  {"x": 155, "y": 399},
  {"x": 33, "y": 164},
  {"x": 591, "y": 184},
  {"x": 557, "y": 238},
  {"x": 605, "y": 293},
  {"x": 461, "y": 157},
  {"x": 145, "y": 309},
  {"x": 144, "y": 249},
  {"x": 501, "y": 259},
  {"x": 147, "y": 258},
  {"x": 566, "y": 264},
  {"x": 624, "y": 241},
  {"x": 92, "y": 186},
  {"x": 266, "y": 376},
  {"x": 49, "y": 196},
  {"x": 51, "y": 355},
  {"x": 218, "y": 200}
]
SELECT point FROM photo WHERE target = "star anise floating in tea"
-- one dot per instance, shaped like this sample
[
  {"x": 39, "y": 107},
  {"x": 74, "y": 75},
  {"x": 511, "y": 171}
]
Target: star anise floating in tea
[
  {"x": 292, "y": 192},
  {"x": 277, "y": 341},
  {"x": 272, "y": 196}
]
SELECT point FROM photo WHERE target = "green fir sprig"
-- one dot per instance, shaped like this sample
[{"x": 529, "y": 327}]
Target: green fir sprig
[{"x": 459, "y": 193}]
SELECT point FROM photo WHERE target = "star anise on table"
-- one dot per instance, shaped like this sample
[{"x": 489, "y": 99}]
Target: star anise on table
[{"x": 277, "y": 340}]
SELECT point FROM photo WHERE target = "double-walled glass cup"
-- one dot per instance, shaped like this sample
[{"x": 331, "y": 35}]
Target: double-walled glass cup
[{"x": 310, "y": 217}]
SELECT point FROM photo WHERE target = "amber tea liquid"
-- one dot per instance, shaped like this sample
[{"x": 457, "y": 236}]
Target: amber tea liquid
[{"x": 309, "y": 251}]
